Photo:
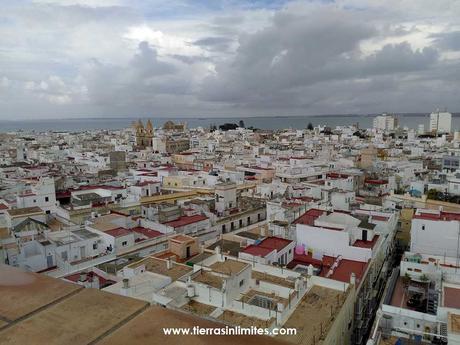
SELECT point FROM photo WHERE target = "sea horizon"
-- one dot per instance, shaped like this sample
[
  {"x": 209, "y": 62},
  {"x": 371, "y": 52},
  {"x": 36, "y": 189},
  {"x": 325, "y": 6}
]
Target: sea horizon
[{"x": 260, "y": 122}]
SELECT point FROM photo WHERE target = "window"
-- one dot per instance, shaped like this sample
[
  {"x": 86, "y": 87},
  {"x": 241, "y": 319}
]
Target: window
[
  {"x": 241, "y": 282},
  {"x": 95, "y": 245},
  {"x": 124, "y": 243},
  {"x": 290, "y": 251},
  {"x": 47, "y": 199},
  {"x": 64, "y": 255},
  {"x": 423, "y": 227}
]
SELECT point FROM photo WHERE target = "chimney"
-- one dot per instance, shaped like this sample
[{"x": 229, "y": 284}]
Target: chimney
[
  {"x": 310, "y": 270},
  {"x": 168, "y": 264},
  {"x": 83, "y": 276},
  {"x": 125, "y": 283},
  {"x": 352, "y": 279},
  {"x": 217, "y": 250}
]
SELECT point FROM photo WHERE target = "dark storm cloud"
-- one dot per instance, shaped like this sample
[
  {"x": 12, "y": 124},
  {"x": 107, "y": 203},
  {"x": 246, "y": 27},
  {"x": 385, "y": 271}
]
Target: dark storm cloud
[
  {"x": 139, "y": 81},
  {"x": 294, "y": 58},
  {"x": 302, "y": 50}
]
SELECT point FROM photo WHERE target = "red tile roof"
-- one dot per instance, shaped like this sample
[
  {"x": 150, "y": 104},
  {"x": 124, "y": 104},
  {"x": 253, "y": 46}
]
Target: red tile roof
[
  {"x": 118, "y": 232},
  {"x": 366, "y": 244},
  {"x": 341, "y": 273},
  {"x": 346, "y": 268},
  {"x": 186, "y": 220},
  {"x": 451, "y": 297},
  {"x": 3, "y": 206},
  {"x": 377, "y": 182},
  {"x": 277, "y": 243},
  {"x": 257, "y": 250},
  {"x": 267, "y": 246},
  {"x": 305, "y": 198},
  {"x": 90, "y": 277},
  {"x": 309, "y": 217},
  {"x": 334, "y": 175},
  {"x": 446, "y": 216},
  {"x": 147, "y": 232},
  {"x": 90, "y": 187},
  {"x": 380, "y": 218},
  {"x": 144, "y": 183}
]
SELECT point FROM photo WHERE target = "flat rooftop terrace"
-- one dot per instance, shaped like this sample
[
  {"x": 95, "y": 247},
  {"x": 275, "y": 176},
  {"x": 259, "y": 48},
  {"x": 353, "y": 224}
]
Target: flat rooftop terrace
[
  {"x": 147, "y": 329},
  {"x": 159, "y": 266},
  {"x": 58, "y": 313},
  {"x": 23, "y": 293},
  {"x": 228, "y": 267},
  {"x": 272, "y": 279},
  {"x": 242, "y": 320},
  {"x": 314, "y": 313},
  {"x": 227, "y": 247},
  {"x": 208, "y": 278},
  {"x": 198, "y": 308}
]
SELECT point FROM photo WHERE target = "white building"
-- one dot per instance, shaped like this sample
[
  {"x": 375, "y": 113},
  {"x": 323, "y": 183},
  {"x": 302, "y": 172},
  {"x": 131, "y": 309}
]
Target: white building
[
  {"x": 441, "y": 122},
  {"x": 435, "y": 232},
  {"x": 41, "y": 194},
  {"x": 270, "y": 250},
  {"x": 385, "y": 122}
]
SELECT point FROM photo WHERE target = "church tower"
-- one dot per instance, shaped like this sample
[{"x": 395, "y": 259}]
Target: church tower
[
  {"x": 148, "y": 139},
  {"x": 144, "y": 135},
  {"x": 140, "y": 132}
]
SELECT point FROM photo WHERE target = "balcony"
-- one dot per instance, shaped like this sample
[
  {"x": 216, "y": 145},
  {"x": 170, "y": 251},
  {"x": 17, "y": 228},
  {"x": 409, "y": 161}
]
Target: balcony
[{"x": 65, "y": 267}]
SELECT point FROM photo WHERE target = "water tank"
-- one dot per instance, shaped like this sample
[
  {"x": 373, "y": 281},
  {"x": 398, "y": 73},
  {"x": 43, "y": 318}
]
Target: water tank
[
  {"x": 190, "y": 291},
  {"x": 457, "y": 136},
  {"x": 280, "y": 307},
  {"x": 300, "y": 249}
]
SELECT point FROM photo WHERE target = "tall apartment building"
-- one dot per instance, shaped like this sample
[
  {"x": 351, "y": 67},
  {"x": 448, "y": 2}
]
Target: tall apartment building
[
  {"x": 385, "y": 122},
  {"x": 440, "y": 122}
]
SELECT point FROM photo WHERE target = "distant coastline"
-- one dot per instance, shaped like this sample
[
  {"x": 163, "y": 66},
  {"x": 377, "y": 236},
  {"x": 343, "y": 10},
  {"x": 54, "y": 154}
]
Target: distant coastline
[
  {"x": 72, "y": 124},
  {"x": 223, "y": 118}
]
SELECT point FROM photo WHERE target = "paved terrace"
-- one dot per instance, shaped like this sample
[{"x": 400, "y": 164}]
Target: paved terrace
[
  {"x": 42, "y": 310},
  {"x": 159, "y": 266},
  {"x": 314, "y": 315}
]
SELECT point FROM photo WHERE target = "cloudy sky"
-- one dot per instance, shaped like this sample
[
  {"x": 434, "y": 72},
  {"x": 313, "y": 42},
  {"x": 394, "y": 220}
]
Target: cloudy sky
[{"x": 71, "y": 58}]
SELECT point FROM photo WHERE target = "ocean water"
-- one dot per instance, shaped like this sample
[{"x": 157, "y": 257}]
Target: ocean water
[{"x": 281, "y": 122}]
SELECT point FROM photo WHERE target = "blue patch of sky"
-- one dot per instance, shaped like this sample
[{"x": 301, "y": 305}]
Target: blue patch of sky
[{"x": 194, "y": 8}]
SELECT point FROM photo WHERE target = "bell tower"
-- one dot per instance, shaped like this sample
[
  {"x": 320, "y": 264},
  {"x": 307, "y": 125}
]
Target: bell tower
[{"x": 148, "y": 138}]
